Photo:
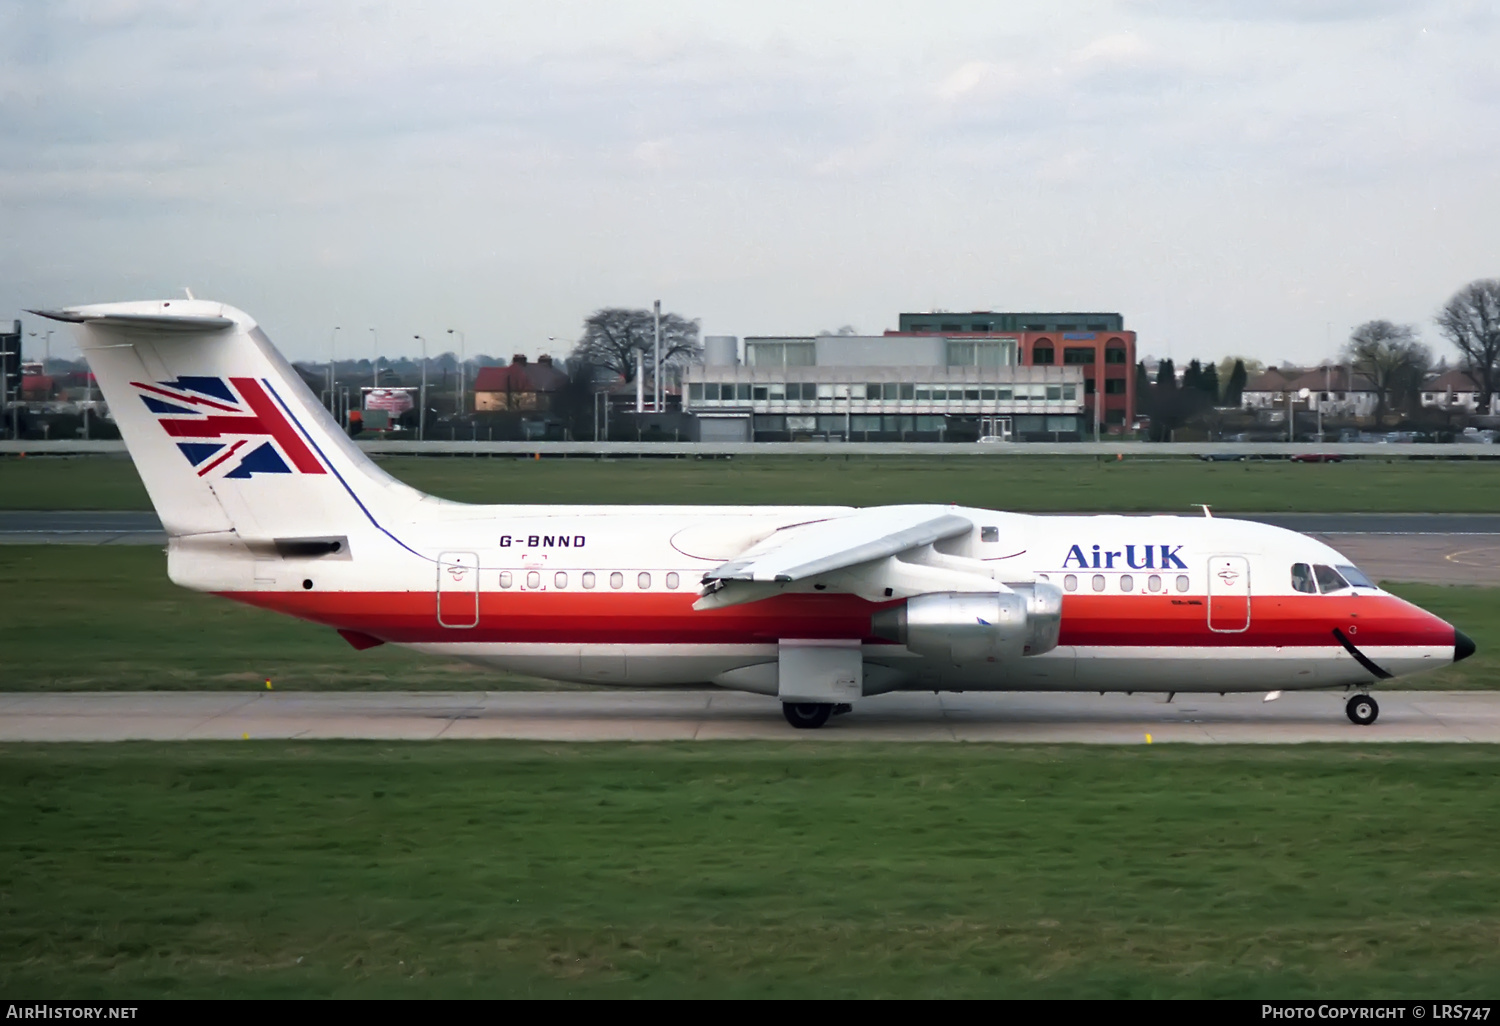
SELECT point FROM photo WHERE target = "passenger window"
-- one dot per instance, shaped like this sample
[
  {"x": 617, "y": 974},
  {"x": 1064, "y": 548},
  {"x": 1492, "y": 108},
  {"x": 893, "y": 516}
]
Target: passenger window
[
  {"x": 671, "y": 580},
  {"x": 1329, "y": 579},
  {"x": 533, "y": 579},
  {"x": 1127, "y": 583},
  {"x": 1153, "y": 583},
  {"x": 989, "y": 534},
  {"x": 560, "y": 580},
  {"x": 505, "y": 578},
  {"x": 1355, "y": 577},
  {"x": 1182, "y": 582},
  {"x": 643, "y": 580},
  {"x": 1070, "y": 582},
  {"x": 588, "y": 579},
  {"x": 617, "y": 580},
  {"x": 1302, "y": 579},
  {"x": 1098, "y": 582}
]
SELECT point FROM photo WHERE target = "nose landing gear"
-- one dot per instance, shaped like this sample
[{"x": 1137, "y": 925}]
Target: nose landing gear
[{"x": 1362, "y": 709}]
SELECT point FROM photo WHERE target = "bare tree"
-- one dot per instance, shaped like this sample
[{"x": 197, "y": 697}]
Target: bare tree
[
  {"x": 612, "y": 336},
  {"x": 1392, "y": 358},
  {"x": 1471, "y": 321}
]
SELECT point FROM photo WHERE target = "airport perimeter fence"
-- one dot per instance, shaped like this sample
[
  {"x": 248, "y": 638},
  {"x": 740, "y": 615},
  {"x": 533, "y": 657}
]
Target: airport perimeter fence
[{"x": 1106, "y": 450}]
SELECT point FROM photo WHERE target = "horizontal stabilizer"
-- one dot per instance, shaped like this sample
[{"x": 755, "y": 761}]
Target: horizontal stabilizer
[
  {"x": 827, "y": 545},
  {"x": 141, "y": 322}
]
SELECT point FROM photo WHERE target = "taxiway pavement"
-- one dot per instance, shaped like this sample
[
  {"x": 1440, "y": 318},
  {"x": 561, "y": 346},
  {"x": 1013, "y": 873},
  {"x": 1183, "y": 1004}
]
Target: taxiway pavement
[{"x": 702, "y": 715}]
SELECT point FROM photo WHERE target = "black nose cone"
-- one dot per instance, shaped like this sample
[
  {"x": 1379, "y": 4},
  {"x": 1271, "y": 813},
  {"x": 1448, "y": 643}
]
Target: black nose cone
[{"x": 1463, "y": 646}]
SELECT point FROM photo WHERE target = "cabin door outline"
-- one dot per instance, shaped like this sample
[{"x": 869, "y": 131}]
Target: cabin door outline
[
  {"x": 1228, "y": 594},
  {"x": 458, "y": 589}
]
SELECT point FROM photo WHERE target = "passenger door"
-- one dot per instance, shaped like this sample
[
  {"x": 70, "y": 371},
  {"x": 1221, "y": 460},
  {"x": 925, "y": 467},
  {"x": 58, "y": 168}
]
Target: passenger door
[
  {"x": 1228, "y": 594},
  {"x": 458, "y": 589}
]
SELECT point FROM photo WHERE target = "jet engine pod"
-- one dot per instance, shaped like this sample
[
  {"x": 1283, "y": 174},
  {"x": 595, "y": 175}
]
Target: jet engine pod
[
  {"x": 1043, "y": 615},
  {"x": 958, "y": 627},
  {"x": 967, "y": 627}
]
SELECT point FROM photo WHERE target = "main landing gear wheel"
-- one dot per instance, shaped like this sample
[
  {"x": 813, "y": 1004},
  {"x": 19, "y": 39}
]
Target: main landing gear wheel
[
  {"x": 1362, "y": 709},
  {"x": 807, "y": 715}
]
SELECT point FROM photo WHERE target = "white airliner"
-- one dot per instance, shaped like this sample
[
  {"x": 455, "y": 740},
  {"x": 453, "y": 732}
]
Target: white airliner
[{"x": 265, "y": 501}]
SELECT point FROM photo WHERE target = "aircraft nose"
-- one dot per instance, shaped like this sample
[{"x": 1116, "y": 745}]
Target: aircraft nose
[{"x": 1463, "y": 646}]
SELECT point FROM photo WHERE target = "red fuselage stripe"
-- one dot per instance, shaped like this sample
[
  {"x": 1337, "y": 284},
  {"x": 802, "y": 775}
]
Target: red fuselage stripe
[{"x": 668, "y": 618}]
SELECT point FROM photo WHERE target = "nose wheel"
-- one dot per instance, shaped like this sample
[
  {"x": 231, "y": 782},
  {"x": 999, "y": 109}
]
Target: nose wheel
[
  {"x": 807, "y": 715},
  {"x": 1362, "y": 709}
]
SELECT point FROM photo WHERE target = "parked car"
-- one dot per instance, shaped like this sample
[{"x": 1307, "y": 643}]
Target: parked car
[
  {"x": 1223, "y": 457},
  {"x": 1317, "y": 457}
]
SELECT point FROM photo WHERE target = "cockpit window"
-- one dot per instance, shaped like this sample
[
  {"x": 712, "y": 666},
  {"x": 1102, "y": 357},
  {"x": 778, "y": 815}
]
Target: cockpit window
[
  {"x": 1302, "y": 579},
  {"x": 989, "y": 534},
  {"x": 1329, "y": 579},
  {"x": 1353, "y": 575}
]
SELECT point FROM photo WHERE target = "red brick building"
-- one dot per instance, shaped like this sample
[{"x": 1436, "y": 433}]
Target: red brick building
[{"x": 1097, "y": 343}]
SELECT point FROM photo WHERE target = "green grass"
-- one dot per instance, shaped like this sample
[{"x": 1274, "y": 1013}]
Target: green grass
[
  {"x": 1013, "y": 483},
  {"x": 516, "y": 869},
  {"x": 102, "y": 617}
]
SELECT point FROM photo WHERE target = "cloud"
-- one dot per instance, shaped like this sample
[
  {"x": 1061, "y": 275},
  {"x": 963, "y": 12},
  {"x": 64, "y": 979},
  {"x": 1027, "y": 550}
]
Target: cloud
[{"x": 1274, "y": 10}]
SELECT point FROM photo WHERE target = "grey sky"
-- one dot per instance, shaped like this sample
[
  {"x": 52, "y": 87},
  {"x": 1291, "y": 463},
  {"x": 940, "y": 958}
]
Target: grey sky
[{"x": 1233, "y": 176}]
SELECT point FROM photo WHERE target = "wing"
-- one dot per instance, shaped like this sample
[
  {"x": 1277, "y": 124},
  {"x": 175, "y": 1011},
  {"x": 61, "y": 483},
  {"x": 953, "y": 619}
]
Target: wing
[{"x": 808, "y": 550}]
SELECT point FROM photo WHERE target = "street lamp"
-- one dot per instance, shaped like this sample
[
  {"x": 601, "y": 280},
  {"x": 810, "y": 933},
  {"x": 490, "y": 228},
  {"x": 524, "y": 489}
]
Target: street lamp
[
  {"x": 374, "y": 359},
  {"x": 333, "y": 405},
  {"x": 15, "y": 408},
  {"x": 422, "y": 395},
  {"x": 463, "y": 346}
]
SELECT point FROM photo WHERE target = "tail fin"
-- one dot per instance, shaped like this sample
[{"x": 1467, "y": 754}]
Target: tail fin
[{"x": 225, "y": 435}]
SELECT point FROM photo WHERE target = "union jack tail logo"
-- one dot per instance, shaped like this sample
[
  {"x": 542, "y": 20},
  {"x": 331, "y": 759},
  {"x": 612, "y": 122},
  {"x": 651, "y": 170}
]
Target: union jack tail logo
[{"x": 229, "y": 421}]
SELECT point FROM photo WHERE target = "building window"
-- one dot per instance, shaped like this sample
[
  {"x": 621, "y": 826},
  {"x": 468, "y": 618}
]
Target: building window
[
  {"x": 780, "y": 354},
  {"x": 1070, "y": 392},
  {"x": 960, "y": 354},
  {"x": 1078, "y": 354},
  {"x": 1088, "y": 386},
  {"x": 1042, "y": 354},
  {"x": 1114, "y": 386},
  {"x": 1054, "y": 392},
  {"x": 1115, "y": 351},
  {"x": 759, "y": 393},
  {"x": 950, "y": 327},
  {"x": 588, "y": 579},
  {"x": 695, "y": 393},
  {"x": 908, "y": 392}
]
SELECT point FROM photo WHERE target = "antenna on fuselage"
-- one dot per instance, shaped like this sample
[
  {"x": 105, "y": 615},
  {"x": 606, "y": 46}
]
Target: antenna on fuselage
[{"x": 1206, "y": 511}]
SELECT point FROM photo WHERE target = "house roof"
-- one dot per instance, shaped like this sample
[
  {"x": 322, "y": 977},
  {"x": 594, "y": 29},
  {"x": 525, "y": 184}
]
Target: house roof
[
  {"x": 1453, "y": 381},
  {"x": 521, "y": 376},
  {"x": 1332, "y": 378},
  {"x": 1272, "y": 380}
]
